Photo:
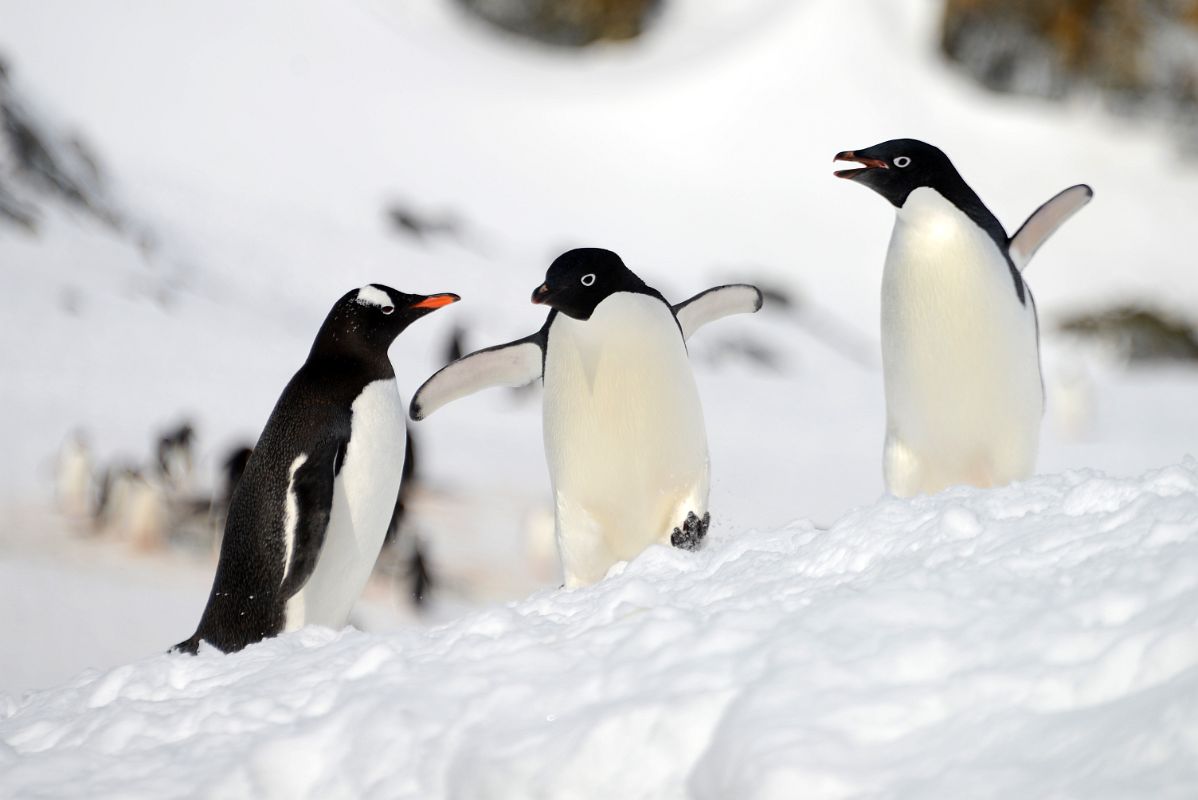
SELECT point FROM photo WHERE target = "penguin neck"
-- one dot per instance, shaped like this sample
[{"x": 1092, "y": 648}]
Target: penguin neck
[
  {"x": 338, "y": 351},
  {"x": 956, "y": 191},
  {"x": 938, "y": 215}
]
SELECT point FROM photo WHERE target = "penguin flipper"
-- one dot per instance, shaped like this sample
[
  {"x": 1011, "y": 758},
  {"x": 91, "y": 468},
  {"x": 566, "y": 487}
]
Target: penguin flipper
[
  {"x": 513, "y": 364},
  {"x": 716, "y": 303},
  {"x": 312, "y": 489},
  {"x": 1045, "y": 221}
]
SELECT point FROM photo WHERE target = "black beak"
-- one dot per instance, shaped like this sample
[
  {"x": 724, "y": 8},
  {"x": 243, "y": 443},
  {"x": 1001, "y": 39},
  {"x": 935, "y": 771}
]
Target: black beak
[
  {"x": 869, "y": 163},
  {"x": 434, "y": 301},
  {"x": 540, "y": 295}
]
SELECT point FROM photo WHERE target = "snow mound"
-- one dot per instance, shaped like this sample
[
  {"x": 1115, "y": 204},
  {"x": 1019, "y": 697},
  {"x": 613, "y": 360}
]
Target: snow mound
[{"x": 1039, "y": 640}]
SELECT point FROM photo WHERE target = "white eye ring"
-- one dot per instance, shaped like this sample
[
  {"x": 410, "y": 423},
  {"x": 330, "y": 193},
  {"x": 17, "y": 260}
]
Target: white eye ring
[
  {"x": 902, "y": 161},
  {"x": 588, "y": 279},
  {"x": 388, "y": 309}
]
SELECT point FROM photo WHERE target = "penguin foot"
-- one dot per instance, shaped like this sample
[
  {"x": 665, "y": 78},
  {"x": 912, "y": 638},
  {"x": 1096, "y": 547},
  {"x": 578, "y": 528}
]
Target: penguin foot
[
  {"x": 419, "y": 576},
  {"x": 189, "y": 646},
  {"x": 690, "y": 536}
]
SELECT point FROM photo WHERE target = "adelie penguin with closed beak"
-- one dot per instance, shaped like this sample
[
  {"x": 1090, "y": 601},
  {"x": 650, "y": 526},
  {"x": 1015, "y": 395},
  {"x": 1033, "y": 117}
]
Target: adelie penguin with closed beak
[
  {"x": 960, "y": 337},
  {"x": 623, "y": 427},
  {"x": 308, "y": 517}
]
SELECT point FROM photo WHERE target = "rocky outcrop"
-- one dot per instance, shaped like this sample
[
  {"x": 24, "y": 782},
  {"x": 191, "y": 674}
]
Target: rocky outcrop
[
  {"x": 566, "y": 23},
  {"x": 1136, "y": 334},
  {"x": 1142, "y": 56},
  {"x": 39, "y": 163}
]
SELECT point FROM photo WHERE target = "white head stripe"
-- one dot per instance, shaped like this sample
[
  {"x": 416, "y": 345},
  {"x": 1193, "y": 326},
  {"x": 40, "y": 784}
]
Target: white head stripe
[{"x": 372, "y": 296}]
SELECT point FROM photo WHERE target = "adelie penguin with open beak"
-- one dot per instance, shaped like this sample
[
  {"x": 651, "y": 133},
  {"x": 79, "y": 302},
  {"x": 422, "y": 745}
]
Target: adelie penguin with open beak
[{"x": 960, "y": 337}]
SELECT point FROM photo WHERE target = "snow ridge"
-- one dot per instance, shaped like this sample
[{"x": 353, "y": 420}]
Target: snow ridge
[{"x": 1036, "y": 640}]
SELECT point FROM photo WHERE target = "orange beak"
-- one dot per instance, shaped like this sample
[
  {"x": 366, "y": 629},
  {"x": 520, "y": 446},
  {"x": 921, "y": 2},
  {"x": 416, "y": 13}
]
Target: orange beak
[{"x": 437, "y": 300}]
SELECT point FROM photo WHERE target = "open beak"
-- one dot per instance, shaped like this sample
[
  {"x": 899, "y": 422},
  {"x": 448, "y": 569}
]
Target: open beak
[
  {"x": 868, "y": 164},
  {"x": 436, "y": 301},
  {"x": 540, "y": 295}
]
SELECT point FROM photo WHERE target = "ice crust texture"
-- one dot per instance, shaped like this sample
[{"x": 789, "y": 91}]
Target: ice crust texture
[{"x": 1033, "y": 641}]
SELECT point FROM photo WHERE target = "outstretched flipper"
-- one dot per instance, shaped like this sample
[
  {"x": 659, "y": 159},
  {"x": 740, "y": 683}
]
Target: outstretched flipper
[
  {"x": 1044, "y": 222},
  {"x": 513, "y": 364},
  {"x": 692, "y": 532},
  {"x": 717, "y": 303}
]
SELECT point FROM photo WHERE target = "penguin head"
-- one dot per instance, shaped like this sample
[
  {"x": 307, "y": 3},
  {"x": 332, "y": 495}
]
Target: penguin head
[
  {"x": 579, "y": 280},
  {"x": 898, "y": 167},
  {"x": 368, "y": 319}
]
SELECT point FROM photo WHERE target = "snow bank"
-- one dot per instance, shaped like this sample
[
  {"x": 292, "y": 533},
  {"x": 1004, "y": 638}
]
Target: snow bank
[{"x": 1034, "y": 641}]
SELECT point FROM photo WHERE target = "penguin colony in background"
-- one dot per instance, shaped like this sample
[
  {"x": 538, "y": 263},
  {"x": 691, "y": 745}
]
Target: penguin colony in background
[{"x": 623, "y": 426}]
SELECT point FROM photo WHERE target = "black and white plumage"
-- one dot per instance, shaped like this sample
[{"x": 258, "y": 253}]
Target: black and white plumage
[
  {"x": 174, "y": 456},
  {"x": 308, "y": 517},
  {"x": 624, "y": 433},
  {"x": 960, "y": 336}
]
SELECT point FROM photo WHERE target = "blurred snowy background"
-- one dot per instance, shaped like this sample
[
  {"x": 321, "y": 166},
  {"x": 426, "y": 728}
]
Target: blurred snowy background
[{"x": 186, "y": 188}]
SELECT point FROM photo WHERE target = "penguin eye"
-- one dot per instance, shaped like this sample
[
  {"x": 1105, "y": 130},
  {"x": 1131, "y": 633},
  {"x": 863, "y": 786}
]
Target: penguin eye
[
  {"x": 588, "y": 279},
  {"x": 388, "y": 309},
  {"x": 902, "y": 161}
]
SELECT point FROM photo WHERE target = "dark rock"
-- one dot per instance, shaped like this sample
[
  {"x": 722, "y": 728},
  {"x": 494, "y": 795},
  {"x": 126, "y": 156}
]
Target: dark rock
[
  {"x": 1137, "y": 334},
  {"x": 566, "y": 23},
  {"x": 1141, "y": 56},
  {"x": 36, "y": 162}
]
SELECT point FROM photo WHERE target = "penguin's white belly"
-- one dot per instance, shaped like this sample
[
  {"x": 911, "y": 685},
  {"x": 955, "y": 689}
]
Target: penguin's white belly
[
  {"x": 364, "y": 495},
  {"x": 624, "y": 434},
  {"x": 960, "y": 354}
]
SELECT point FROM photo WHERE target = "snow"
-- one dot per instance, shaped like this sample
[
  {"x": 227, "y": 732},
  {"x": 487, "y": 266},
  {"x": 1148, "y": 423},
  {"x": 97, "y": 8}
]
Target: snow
[{"x": 1037, "y": 640}]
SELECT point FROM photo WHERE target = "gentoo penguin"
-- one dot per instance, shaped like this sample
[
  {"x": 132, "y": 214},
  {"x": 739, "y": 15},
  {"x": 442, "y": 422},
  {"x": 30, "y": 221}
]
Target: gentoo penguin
[
  {"x": 406, "y": 486},
  {"x": 73, "y": 476},
  {"x": 419, "y": 573},
  {"x": 174, "y": 460},
  {"x": 232, "y": 469},
  {"x": 133, "y": 507},
  {"x": 309, "y": 515},
  {"x": 960, "y": 338},
  {"x": 623, "y": 427}
]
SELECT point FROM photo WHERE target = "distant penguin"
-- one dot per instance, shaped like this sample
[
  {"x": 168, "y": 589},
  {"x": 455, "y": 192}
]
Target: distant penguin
[
  {"x": 960, "y": 337},
  {"x": 105, "y": 496},
  {"x": 419, "y": 576},
  {"x": 132, "y": 508},
  {"x": 174, "y": 459},
  {"x": 73, "y": 476},
  {"x": 145, "y": 513},
  {"x": 624, "y": 434},
  {"x": 455, "y": 348},
  {"x": 232, "y": 468},
  {"x": 309, "y": 516},
  {"x": 406, "y": 485}
]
